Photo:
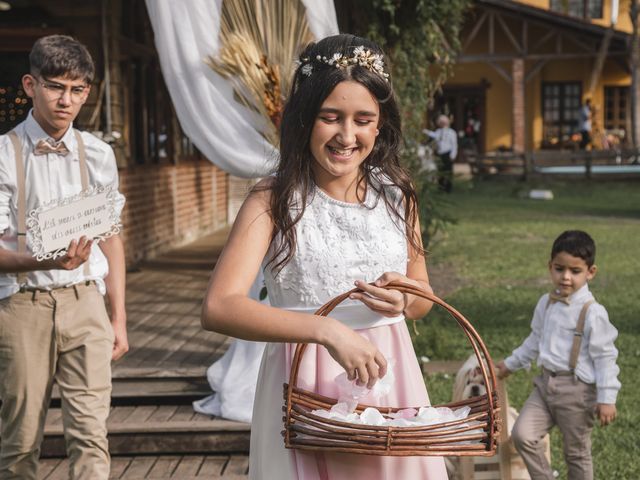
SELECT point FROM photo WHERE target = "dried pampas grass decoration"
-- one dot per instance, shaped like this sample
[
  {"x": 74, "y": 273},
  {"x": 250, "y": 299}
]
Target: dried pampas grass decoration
[{"x": 259, "y": 42}]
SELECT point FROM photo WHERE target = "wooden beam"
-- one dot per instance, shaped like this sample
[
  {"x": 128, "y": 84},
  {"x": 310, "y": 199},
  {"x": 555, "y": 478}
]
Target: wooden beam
[
  {"x": 491, "y": 33},
  {"x": 579, "y": 43},
  {"x": 475, "y": 31},
  {"x": 599, "y": 63},
  {"x": 501, "y": 71},
  {"x": 447, "y": 45},
  {"x": 506, "y": 29},
  {"x": 536, "y": 68},
  {"x": 559, "y": 43},
  {"x": 544, "y": 39},
  {"x": 525, "y": 36}
]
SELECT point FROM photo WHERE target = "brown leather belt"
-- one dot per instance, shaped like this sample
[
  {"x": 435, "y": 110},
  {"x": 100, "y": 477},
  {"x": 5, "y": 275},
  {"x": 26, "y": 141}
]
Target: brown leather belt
[
  {"x": 562, "y": 373},
  {"x": 24, "y": 288}
]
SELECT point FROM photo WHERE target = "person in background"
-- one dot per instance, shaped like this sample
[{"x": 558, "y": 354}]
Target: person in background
[
  {"x": 447, "y": 141},
  {"x": 585, "y": 124}
]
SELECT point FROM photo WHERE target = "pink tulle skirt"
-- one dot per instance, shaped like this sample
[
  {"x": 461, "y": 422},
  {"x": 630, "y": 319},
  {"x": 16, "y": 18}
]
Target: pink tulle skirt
[{"x": 270, "y": 460}]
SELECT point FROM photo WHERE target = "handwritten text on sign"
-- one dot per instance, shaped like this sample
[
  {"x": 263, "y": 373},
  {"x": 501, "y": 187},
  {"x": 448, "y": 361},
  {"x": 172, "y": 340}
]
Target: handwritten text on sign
[{"x": 90, "y": 216}]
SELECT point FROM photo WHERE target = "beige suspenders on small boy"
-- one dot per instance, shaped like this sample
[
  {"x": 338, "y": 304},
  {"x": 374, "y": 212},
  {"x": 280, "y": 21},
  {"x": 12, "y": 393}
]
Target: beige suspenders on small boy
[
  {"x": 577, "y": 336},
  {"x": 21, "y": 185}
]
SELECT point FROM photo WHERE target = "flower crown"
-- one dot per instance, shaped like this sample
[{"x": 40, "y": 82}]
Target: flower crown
[{"x": 361, "y": 56}]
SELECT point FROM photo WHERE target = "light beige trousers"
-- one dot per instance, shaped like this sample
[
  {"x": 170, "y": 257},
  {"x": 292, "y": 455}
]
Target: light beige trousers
[
  {"x": 62, "y": 335},
  {"x": 568, "y": 403}
]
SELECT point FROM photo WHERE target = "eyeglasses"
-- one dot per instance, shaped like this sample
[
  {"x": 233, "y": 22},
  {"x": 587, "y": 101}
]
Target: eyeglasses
[{"x": 55, "y": 91}]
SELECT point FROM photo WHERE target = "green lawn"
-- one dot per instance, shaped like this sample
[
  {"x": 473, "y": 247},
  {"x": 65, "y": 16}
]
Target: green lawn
[{"x": 495, "y": 257}]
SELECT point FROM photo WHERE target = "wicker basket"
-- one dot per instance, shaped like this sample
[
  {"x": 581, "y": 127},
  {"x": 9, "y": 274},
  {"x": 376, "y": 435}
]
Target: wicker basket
[{"x": 306, "y": 431}]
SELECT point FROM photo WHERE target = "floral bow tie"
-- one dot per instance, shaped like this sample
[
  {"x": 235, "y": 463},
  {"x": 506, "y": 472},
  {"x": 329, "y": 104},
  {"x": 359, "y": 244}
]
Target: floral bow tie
[
  {"x": 554, "y": 297},
  {"x": 43, "y": 147}
]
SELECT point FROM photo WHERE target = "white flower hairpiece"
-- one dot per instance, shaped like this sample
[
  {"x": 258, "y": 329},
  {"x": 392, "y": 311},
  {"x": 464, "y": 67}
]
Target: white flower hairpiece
[{"x": 361, "y": 56}]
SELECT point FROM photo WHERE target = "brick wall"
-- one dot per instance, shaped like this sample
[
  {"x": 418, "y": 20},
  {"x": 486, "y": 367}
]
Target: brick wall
[{"x": 169, "y": 205}]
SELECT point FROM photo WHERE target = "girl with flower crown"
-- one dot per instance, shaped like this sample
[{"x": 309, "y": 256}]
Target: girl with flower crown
[{"x": 339, "y": 211}]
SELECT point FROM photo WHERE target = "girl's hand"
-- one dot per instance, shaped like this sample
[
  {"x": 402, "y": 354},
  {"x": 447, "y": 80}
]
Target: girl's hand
[
  {"x": 388, "y": 303},
  {"x": 606, "y": 413},
  {"x": 358, "y": 356}
]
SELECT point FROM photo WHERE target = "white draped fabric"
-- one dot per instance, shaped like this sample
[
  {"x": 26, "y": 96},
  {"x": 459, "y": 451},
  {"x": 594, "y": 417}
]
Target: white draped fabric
[
  {"x": 186, "y": 33},
  {"x": 234, "y": 376}
]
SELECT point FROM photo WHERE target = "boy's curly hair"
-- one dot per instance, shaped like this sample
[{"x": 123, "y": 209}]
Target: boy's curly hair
[{"x": 576, "y": 243}]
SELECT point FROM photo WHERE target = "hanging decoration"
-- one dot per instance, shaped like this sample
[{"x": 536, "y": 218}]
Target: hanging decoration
[{"x": 258, "y": 47}]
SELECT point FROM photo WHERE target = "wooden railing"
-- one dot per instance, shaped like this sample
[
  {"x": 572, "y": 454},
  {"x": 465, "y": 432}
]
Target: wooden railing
[{"x": 556, "y": 162}]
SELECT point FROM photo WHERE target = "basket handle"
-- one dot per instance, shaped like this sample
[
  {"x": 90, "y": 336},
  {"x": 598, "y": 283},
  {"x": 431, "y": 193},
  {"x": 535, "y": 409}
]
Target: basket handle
[{"x": 472, "y": 335}]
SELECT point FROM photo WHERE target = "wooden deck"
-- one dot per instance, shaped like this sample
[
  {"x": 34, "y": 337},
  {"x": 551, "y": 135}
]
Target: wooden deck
[
  {"x": 164, "y": 297},
  {"x": 178, "y": 467},
  {"x": 158, "y": 430}
]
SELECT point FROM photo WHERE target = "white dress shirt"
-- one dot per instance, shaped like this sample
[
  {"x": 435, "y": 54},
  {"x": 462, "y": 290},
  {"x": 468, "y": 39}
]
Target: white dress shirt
[
  {"x": 551, "y": 340},
  {"x": 49, "y": 177},
  {"x": 447, "y": 141}
]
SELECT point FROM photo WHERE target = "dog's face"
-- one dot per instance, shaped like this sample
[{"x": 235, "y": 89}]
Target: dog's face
[
  {"x": 469, "y": 381},
  {"x": 474, "y": 385}
]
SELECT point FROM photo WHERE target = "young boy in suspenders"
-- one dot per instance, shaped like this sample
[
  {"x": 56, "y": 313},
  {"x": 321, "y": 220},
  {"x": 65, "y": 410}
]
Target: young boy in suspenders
[
  {"x": 573, "y": 342},
  {"x": 53, "y": 322}
]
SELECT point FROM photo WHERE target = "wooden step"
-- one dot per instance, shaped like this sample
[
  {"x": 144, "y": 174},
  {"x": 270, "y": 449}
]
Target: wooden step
[
  {"x": 177, "y": 467},
  {"x": 157, "y": 429},
  {"x": 133, "y": 390}
]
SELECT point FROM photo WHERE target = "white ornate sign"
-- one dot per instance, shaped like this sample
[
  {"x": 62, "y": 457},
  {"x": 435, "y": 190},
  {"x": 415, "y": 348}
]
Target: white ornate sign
[{"x": 91, "y": 213}]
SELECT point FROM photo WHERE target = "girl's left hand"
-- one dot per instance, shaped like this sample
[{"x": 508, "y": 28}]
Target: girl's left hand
[{"x": 388, "y": 303}]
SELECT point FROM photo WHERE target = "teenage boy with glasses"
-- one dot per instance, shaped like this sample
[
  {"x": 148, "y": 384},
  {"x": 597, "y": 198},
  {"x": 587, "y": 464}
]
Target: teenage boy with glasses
[{"x": 53, "y": 322}]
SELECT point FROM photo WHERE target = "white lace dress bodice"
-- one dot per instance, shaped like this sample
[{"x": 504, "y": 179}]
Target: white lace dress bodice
[{"x": 338, "y": 243}]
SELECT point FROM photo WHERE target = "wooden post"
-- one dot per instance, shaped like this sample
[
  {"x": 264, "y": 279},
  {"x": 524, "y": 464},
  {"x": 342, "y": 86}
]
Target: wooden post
[
  {"x": 518, "y": 88},
  {"x": 112, "y": 13},
  {"x": 504, "y": 452}
]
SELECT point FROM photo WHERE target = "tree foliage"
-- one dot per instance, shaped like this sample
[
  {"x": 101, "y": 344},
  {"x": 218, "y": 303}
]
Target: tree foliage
[{"x": 421, "y": 39}]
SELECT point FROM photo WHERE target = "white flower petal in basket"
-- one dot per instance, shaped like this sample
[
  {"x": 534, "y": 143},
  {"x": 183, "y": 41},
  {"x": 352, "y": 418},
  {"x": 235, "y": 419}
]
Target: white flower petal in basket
[{"x": 372, "y": 416}]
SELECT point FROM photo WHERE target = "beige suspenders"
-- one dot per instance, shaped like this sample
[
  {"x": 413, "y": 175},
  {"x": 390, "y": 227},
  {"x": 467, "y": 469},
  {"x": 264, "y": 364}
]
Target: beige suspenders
[
  {"x": 82, "y": 157},
  {"x": 22, "y": 200},
  {"x": 21, "y": 184},
  {"x": 577, "y": 336}
]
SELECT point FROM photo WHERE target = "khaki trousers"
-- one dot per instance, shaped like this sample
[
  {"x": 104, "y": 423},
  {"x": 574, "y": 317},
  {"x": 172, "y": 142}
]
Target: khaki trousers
[
  {"x": 568, "y": 403},
  {"x": 62, "y": 335}
]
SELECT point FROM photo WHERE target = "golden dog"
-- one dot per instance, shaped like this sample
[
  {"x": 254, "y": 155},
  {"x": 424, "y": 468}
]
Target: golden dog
[{"x": 507, "y": 463}]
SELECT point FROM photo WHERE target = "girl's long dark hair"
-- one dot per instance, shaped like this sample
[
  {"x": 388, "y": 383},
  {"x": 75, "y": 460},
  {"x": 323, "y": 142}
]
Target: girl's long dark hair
[{"x": 293, "y": 181}]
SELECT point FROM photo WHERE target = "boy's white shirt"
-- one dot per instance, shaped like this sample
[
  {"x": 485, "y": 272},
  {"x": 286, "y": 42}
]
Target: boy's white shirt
[
  {"x": 551, "y": 340},
  {"x": 51, "y": 177}
]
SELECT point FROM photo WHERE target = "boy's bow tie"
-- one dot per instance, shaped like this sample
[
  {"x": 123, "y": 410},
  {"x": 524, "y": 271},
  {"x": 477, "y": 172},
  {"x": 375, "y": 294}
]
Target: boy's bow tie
[
  {"x": 554, "y": 297},
  {"x": 43, "y": 147}
]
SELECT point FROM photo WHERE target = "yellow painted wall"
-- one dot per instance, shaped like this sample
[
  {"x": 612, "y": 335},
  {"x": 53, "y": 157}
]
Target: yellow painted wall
[
  {"x": 624, "y": 21},
  {"x": 536, "y": 3}
]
